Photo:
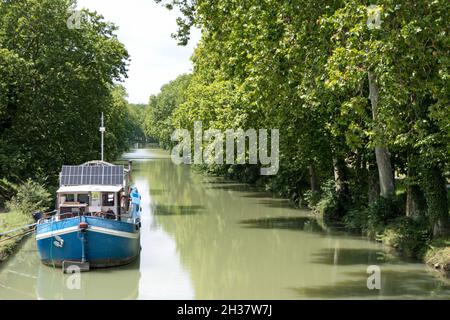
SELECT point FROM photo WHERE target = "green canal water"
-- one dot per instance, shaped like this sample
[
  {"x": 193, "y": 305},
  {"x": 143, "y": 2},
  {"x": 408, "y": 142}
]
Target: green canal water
[{"x": 205, "y": 238}]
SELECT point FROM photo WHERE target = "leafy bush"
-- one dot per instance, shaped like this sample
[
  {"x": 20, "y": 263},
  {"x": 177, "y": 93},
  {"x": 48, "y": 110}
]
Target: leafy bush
[
  {"x": 329, "y": 206},
  {"x": 7, "y": 190},
  {"x": 312, "y": 198},
  {"x": 381, "y": 213},
  {"x": 357, "y": 219},
  {"x": 408, "y": 236},
  {"x": 438, "y": 254},
  {"x": 30, "y": 197},
  {"x": 374, "y": 218},
  {"x": 288, "y": 183}
]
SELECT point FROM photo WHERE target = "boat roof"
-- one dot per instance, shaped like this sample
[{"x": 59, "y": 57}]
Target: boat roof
[
  {"x": 88, "y": 188},
  {"x": 93, "y": 173}
]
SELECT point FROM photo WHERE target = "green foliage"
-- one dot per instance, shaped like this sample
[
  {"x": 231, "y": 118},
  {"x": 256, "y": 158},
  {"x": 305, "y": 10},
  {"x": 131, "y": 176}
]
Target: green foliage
[
  {"x": 303, "y": 67},
  {"x": 410, "y": 237},
  {"x": 312, "y": 198},
  {"x": 7, "y": 190},
  {"x": 435, "y": 186},
  {"x": 135, "y": 123},
  {"x": 124, "y": 123},
  {"x": 158, "y": 123},
  {"x": 382, "y": 212},
  {"x": 374, "y": 218},
  {"x": 381, "y": 221},
  {"x": 54, "y": 84},
  {"x": 29, "y": 198},
  {"x": 9, "y": 221},
  {"x": 330, "y": 205},
  {"x": 243, "y": 173},
  {"x": 438, "y": 254},
  {"x": 356, "y": 219},
  {"x": 13, "y": 219}
]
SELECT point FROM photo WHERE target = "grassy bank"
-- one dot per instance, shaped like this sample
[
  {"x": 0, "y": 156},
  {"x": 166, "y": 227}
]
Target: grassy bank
[
  {"x": 9, "y": 221},
  {"x": 25, "y": 199},
  {"x": 412, "y": 240},
  {"x": 438, "y": 255}
]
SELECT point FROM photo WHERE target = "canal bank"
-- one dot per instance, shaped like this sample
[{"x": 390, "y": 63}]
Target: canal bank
[
  {"x": 207, "y": 238},
  {"x": 12, "y": 232},
  {"x": 16, "y": 213}
]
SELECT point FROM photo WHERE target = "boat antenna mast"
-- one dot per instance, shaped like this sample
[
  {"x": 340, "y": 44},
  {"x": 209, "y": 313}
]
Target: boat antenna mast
[{"x": 102, "y": 131}]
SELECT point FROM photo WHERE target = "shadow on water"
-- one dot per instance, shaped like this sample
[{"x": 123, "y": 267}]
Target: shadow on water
[
  {"x": 260, "y": 194},
  {"x": 264, "y": 197},
  {"x": 394, "y": 285},
  {"x": 277, "y": 203},
  {"x": 348, "y": 256},
  {"x": 176, "y": 210},
  {"x": 289, "y": 223},
  {"x": 219, "y": 180},
  {"x": 248, "y": 191},
  {"x": 304, "y": 224},
  {"x": 230, "y": 187}
]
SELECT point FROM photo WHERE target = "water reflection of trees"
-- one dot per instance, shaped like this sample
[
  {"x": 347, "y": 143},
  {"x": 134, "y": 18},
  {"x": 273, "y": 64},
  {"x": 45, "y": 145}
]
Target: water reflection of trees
[
  {"x": 237, "y": 242},
  {"x": 225, "y": 259}
]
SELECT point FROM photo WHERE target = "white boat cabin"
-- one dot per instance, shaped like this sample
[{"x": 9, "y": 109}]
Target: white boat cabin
[{"x": 96, "y": 188}]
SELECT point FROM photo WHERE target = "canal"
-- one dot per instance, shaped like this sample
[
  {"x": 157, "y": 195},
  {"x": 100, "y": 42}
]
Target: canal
[{"x": 206, "y": 238}]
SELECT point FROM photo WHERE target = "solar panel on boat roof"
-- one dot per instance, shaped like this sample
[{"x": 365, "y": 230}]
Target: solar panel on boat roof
[{"x": 94, "y": 175}]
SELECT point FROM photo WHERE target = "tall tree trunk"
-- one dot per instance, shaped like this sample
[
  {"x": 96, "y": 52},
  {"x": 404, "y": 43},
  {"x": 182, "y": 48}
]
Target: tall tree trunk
[
  {"x": 436, "y": 197},
  {"x": 374, "y": 184},
  {"x": 340, "y": 177},
  {"x": 415, "y": 201},
  {"x": 381, "y": 151},
  {"x": 342, "y": 191},
  {"x": 313, "y": 179}
]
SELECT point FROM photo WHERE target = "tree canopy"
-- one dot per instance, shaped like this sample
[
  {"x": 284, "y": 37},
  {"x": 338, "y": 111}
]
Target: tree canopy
[
  {"x": 365, "y": 106},
  {"x": 55, "y": 81}
]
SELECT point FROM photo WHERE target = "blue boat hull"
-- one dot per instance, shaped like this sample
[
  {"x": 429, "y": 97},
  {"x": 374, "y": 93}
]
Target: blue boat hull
[{"x": 107, "y": 243}]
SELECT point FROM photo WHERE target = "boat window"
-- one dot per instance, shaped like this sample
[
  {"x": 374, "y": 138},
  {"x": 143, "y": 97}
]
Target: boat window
[
  {"x": 83, "y": 198},
  {"x": 65, "y": 210},
  {"x": 108, "y": 199},
  {"x": 70, "y": 197}
]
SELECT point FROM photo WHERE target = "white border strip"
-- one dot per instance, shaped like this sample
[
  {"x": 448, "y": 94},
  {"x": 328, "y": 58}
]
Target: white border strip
[
  {"x": 123, "y": 234},
  {"x": 56, "y": 233}
]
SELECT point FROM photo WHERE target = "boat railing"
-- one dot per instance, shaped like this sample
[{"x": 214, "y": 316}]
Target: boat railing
[{"x": 103, "y": 215}]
